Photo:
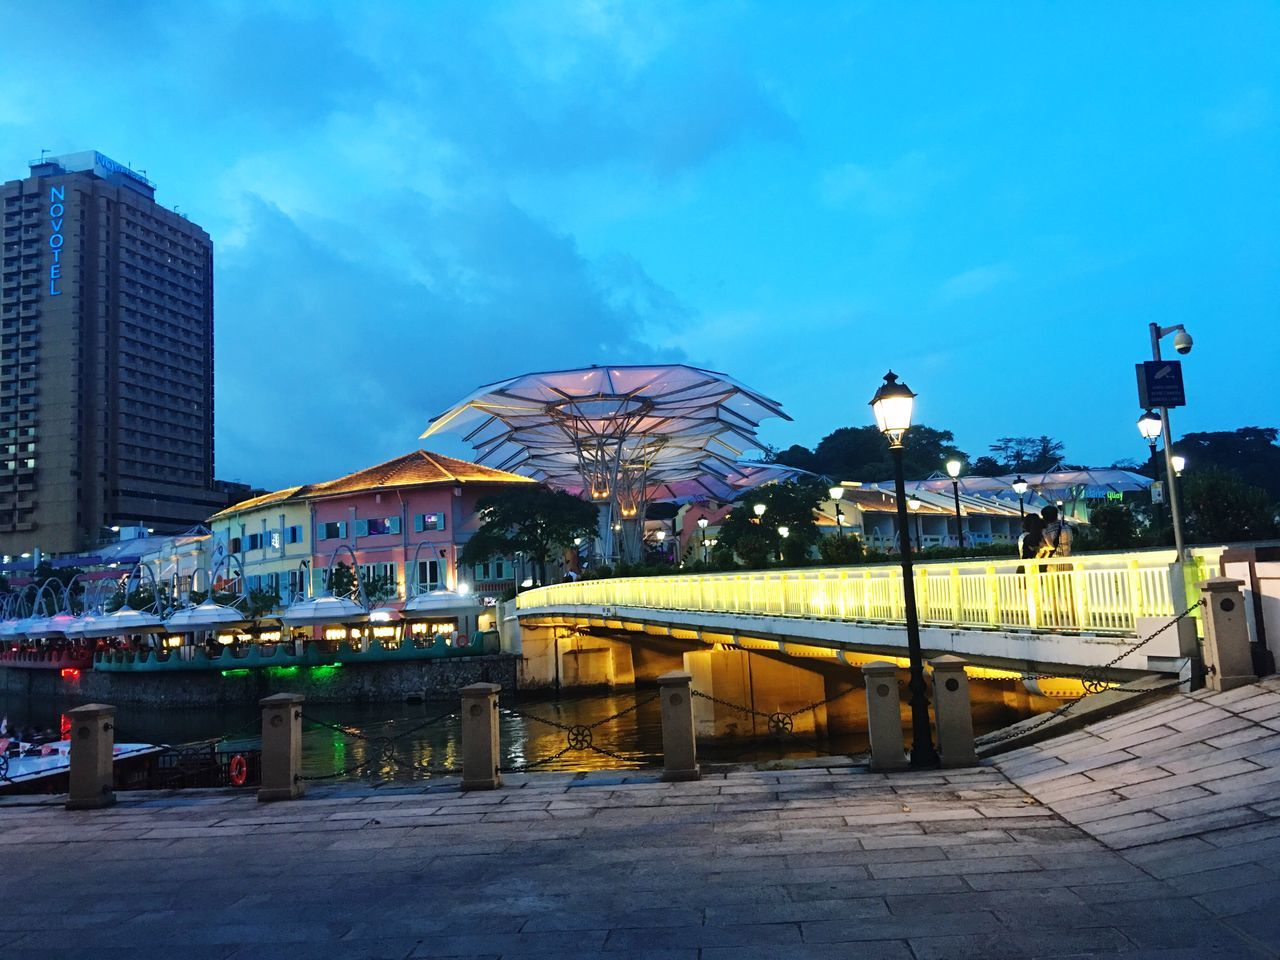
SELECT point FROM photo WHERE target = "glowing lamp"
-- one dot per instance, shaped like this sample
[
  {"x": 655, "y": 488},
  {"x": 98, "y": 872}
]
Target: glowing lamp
[
  {"x": 953, "y": 468},
  {"x": 759, "y": 509},
  {"x": 1179, "y": 463},
  {"x": 1020, "y": 486},
  {"x": 1150, "y": 425},
  {"x": 703, "y": 522},
  {"x": 892, "y": 406},
  {"x": 836, "y": 493},
  {"x": 784, "y": 532}
]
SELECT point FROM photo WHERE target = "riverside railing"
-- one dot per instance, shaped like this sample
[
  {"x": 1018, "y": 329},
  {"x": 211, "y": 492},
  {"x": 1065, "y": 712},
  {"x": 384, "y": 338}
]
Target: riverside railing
[{"x": 1100, "y": 593}]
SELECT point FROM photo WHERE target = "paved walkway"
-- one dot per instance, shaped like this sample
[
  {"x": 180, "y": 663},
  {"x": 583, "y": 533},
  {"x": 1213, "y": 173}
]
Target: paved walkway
[{"x": 822, "y": 861}]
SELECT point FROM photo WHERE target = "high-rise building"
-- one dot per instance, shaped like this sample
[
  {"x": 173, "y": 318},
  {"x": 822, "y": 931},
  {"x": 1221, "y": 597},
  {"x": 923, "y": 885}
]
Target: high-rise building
[{"x": 106, "y": 358}]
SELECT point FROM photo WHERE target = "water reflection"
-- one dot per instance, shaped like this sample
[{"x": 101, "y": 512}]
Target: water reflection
[{"x": 627, "y": 728}]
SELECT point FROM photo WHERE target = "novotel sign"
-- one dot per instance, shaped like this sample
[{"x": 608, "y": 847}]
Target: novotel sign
[{"x": 57, "y": 214}]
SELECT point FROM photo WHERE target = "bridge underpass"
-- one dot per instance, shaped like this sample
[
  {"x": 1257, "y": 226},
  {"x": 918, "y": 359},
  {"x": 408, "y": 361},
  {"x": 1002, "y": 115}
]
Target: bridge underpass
[{"x": 782, "y": 639}]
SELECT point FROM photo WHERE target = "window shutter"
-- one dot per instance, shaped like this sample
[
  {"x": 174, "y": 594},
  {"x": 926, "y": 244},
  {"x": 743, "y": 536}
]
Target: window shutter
[
  {"x": 362, "y": 528},
  {"x": 393, "y": 525},
  {"x": 418, "y": 522}
]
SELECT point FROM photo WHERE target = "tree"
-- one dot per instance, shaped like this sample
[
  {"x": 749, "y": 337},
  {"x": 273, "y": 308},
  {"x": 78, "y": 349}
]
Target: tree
[
  {"x": 1112, "y": 526},
  {"x": 1220, "y": 507},
  {"x": 790, "y": 504},
  {"x": 1250, "y": 452},
  {"x": 1027, "y": 454},
  {"x": 530, "y": 519},
  {"x": 862, "y": 453},
  {"x": 841, "y": 550}
]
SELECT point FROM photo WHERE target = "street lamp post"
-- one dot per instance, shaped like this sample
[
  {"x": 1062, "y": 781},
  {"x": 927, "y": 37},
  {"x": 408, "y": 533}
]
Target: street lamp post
[
  {"x": 702, "y": 530},
  {"x": 892, "y": 408},
  {"x": 1181, "y": 343},
  {"x": 1150, "y": 426},
  {"x": 783, "y": 532},
  {"x": 914, "y": 504},
  {"x": 836, "y": 493},
  {"x": 953, "y": 470},
  {"x": 1020, "y": 488}
]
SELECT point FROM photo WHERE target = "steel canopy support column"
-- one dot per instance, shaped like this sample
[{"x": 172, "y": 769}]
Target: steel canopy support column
[{"x": 604, "y": 533}]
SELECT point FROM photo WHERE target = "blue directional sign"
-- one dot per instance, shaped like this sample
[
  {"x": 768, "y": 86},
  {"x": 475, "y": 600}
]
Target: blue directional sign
[{"x": 1160, "y": 384}]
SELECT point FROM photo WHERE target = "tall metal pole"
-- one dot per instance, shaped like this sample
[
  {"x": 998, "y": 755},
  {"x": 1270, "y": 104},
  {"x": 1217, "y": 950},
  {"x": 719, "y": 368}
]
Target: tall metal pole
[
  {"x": 923, "y": 754},
  {"x": 1175, "y": 508},
  {"x": 955, "y": 489}
]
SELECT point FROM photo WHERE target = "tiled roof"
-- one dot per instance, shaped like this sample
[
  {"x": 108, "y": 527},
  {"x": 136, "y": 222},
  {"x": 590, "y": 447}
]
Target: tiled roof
[
  {"x": 263, "y": 501},
  {"x": 414, "y": 469}
]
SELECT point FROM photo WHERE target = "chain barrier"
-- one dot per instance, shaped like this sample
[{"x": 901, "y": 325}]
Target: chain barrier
[
  {"x": 1094, "y": 680},
  {"x": 578, "y": 736},
  {"x": 780, "y": 723},
  {"x": 382, "y": 750}
]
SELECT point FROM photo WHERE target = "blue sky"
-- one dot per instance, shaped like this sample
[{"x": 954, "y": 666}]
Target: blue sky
[{"x": 408, "y": 200}]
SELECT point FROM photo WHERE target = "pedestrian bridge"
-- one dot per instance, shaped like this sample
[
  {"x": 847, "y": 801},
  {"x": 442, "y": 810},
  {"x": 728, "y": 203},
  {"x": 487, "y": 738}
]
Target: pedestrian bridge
[{"x": 1057, "y": 615}]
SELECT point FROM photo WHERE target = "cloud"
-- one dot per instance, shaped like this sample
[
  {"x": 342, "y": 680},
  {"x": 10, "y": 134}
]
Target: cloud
[
  {"x": 330, "y": 358},
  {"x": 1248, "y": 111},
  {"x": 892, "y": 190},
  {"x": 975, "y": 282}
]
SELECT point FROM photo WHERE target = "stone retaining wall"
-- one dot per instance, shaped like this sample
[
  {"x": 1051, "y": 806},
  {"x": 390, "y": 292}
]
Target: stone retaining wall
[{"x": 389, "y": 682}]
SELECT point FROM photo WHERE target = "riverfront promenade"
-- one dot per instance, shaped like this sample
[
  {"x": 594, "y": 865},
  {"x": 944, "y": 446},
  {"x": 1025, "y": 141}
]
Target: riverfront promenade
[{"x": 1149, "y": 835}]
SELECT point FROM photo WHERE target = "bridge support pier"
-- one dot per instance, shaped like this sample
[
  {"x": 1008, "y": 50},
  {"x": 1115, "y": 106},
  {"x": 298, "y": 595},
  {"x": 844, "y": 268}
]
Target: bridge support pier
[
  {"x": 761, "y": 683},
  {"x": 93, "y": 740},
  {"x": 562, "y": 657},
  {"x": 953, "y": 712},
  {"x": 884, "y": 716},
  {"x": 1227, "y": 655}
]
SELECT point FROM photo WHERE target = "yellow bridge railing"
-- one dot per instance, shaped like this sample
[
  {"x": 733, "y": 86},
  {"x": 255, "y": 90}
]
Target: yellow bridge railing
[{"x": 1101, "y": 593}]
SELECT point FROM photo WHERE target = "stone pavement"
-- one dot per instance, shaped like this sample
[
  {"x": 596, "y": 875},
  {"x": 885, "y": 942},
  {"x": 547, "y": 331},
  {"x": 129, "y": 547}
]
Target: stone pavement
[{"x": 822, "y": 861}]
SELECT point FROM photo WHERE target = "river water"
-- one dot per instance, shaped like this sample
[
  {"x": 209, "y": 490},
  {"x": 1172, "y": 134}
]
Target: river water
[{"x": 423, "y": 741}]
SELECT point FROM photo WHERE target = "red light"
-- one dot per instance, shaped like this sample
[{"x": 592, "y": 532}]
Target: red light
[{"x": 70, "y": 673}]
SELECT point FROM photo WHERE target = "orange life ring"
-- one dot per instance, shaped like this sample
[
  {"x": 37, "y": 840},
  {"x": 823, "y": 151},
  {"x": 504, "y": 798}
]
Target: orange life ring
[{"x": 238, "y": 770}]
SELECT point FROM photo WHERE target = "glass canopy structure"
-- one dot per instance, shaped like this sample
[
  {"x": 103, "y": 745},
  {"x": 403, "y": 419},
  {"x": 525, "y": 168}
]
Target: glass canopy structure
[{"x": 620, "y": 436}]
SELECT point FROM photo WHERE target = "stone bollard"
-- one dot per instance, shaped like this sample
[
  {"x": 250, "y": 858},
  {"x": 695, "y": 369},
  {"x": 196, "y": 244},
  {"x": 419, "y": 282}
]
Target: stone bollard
[
  {"x": 884, "y": 716},
  {"x": 953, "y": 712},
  {"x": 93, "y": 740},
  {"x": 281, "y": 747},
  {"x": 1228, "y": 659},
  {"x": 480, "y": 737},
  {"x": 679, "y": 745}
]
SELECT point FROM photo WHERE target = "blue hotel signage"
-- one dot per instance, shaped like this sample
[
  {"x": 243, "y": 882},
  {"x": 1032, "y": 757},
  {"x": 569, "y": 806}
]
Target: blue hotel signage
[{"x": 57, "y": 209}]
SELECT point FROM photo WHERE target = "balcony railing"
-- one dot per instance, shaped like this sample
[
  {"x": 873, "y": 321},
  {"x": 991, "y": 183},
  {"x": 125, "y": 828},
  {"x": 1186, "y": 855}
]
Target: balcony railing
[{"x": 1105, "y": 594}]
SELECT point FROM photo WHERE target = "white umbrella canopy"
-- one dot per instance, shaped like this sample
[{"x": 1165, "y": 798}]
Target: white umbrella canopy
[
  {"x": 122, "y": 622},
  {"x": 437, "y": 602},
  {"x": 207, "y": 615},
  {"x": 55, "y": 626},
  {"x": 318, "y": 611}
]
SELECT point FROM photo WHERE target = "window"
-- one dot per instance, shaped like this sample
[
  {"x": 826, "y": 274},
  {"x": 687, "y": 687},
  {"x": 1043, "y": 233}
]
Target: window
[
  {"x": 493, "y": 570},
  {"x": 334, "y": 530},
  {"x": 377, "y": 527},
  {"x": 293, "y": 534},
  {"x": 234, "y": 545},
  {"x": 253, "y": 541},
  {"x": 371, "y": 573},
  {"x": 298, "y": 580},
  {"x": 428, "y": 521},
  {"x": 429, "y": 575}
]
